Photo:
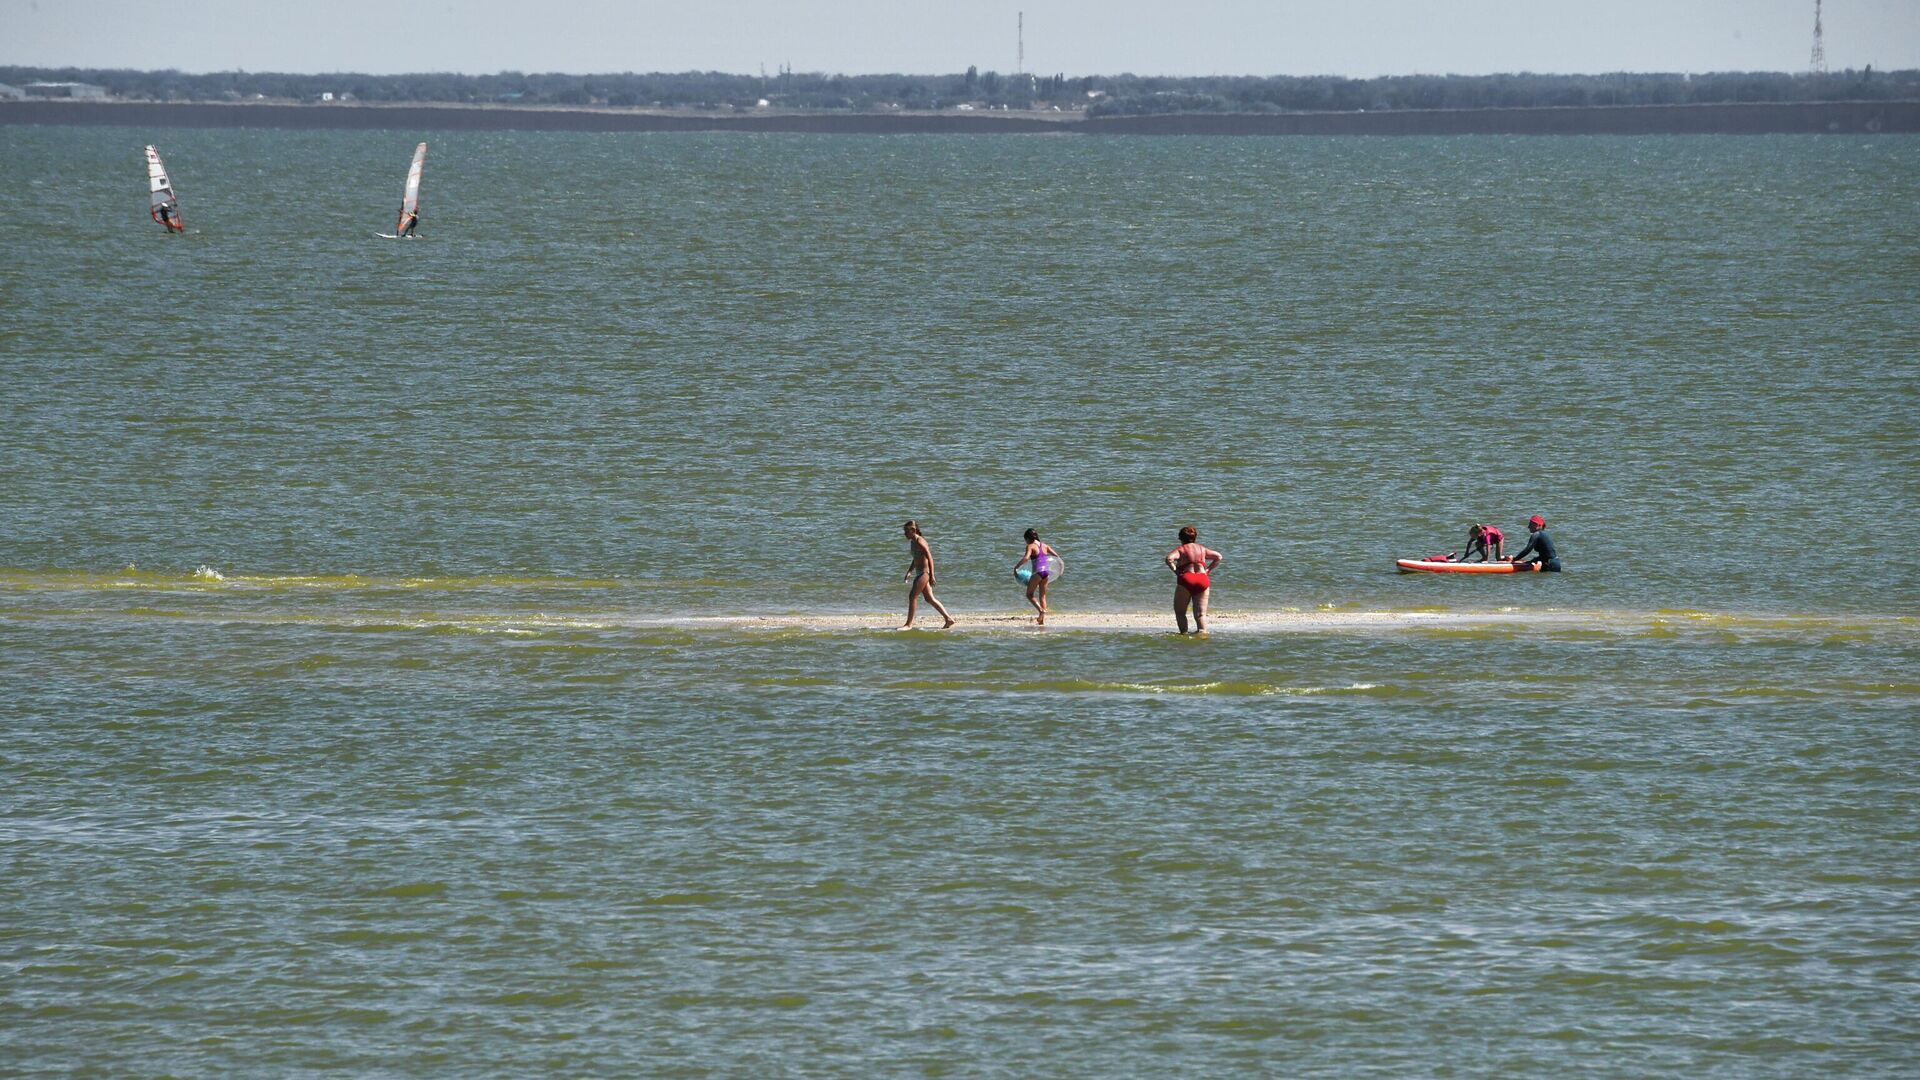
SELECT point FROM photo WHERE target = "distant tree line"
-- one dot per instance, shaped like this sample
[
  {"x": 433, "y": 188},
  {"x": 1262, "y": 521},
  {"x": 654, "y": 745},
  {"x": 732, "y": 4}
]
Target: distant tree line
[{"x": 1098, "y": 95}]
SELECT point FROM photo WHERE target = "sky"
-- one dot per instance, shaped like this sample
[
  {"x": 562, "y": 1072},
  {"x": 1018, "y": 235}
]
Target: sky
[{"x": 1356, "y": 38}]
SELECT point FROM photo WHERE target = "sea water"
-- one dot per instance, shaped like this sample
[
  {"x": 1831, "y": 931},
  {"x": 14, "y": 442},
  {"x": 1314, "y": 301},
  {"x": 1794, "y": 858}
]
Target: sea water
[{"x": 469, "y": 655}]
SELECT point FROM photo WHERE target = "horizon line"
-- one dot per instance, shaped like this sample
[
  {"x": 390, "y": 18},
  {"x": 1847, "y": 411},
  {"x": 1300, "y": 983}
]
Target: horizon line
[{"x": 961, "y": 74}]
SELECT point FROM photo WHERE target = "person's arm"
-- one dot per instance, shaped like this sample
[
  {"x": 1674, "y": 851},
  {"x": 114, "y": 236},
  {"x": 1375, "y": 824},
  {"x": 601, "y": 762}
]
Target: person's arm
[
  {"x": 1213, "y": 560},
  {"x": 927, "y": 550},
  {"x": 1171, "y": 556},
  {"x": 1525, "y": 551},
  {"x": 1024, "y": 556}
]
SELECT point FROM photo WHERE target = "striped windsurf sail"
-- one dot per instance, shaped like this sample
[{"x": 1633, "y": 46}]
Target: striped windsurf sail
[
  {"x": 162, "y": 206},
  {"x": 410, "y": 199}
]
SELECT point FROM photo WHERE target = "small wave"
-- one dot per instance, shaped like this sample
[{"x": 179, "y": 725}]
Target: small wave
[
  {"x": 1750, "y": 947},
  {"x": 132, "y": 577},
  {"x": 1090, "y": 686},
  {"x": 413, "y": 890},
  {"x": 690, "y": 899}
]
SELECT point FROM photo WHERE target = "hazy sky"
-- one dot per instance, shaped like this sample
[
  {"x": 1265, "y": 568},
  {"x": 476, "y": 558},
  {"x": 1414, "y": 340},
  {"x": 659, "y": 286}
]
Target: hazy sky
[{"x": 1077, "y": 37}]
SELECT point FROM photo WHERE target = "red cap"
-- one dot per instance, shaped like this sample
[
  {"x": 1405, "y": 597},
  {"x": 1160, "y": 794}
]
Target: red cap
[{"x": 1537, "y": 521}]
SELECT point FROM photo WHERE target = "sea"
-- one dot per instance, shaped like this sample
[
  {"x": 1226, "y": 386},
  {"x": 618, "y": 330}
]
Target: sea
[{"x": 476, "y": 655}]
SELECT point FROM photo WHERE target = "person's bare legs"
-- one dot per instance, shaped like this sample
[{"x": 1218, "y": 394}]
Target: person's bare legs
[
  {"x": 1037, "y": 596},
  {"x": 937, "y": 605},
  {"x": 913, "y": 599},
  {"x": 1180, "y": 598},
  {"x": 1200, "y": 611}
]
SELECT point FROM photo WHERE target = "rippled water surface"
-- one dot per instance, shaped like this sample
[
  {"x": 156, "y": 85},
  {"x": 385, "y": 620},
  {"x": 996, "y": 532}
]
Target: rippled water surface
[{"x": 469, "y": 656}]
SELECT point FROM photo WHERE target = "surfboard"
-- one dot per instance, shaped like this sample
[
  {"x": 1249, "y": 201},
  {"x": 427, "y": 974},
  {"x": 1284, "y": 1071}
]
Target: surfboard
[{"x": 1438, "y": 566}]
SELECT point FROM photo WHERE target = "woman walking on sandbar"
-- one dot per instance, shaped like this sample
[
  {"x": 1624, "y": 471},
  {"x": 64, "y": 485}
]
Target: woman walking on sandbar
[
  {"x": 1045, "y": 562},
  {"x": 1191, "y": 563},
  {"x": 920, "y": 576}
]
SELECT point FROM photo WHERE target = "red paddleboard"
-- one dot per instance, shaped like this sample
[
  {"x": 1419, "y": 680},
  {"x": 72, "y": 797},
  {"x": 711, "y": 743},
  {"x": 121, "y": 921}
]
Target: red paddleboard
[{"x": 1436, "y": 566}]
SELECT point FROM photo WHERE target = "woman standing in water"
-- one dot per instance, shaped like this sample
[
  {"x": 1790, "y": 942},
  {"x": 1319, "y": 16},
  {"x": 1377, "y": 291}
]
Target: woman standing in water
[
  {"x": 1192, "y": 564},
  {"x": 920, "y": 576},
  {"x": 1045, "y": 562}
]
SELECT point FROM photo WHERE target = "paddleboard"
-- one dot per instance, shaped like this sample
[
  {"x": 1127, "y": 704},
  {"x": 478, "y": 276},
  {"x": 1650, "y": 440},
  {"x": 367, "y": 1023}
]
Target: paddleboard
[
  {"x": 394, "y": 236},
  {"x": 1436, "y": 566}
]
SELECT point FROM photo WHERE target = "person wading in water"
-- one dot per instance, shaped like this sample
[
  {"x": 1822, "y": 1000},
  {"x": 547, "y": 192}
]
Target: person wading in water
[
  {"x": 920, "y": 576},
  {"x": 1192, "y": 564}
]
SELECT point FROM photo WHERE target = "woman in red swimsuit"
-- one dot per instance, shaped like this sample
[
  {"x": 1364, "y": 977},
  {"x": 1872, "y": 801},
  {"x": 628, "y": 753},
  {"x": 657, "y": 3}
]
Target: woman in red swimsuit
[{"x": 1191, "y": 563}]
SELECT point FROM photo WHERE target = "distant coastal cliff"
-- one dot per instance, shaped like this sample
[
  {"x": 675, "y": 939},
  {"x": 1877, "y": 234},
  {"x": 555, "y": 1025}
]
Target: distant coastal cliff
[{"x": 1839, "y": 117}]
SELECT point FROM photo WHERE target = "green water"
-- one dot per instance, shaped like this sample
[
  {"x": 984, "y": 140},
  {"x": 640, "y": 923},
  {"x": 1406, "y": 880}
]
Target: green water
[{"x": 464, "y": 656}]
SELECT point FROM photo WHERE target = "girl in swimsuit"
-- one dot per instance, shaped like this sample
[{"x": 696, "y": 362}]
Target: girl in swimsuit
[
  {"x": 1192, "y": 564},
  {"x": 920, "y": 576},
  {"x": 1043, "y": 558}
]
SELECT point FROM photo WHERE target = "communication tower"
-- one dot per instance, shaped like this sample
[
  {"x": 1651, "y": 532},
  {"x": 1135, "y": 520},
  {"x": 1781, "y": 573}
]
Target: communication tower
[
  {"x": 1020, "y": 48},
  {"x": 1819, "y": 64}
]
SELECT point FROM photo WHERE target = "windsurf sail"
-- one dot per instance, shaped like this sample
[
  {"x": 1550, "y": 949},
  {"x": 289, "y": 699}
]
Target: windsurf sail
[
  {"x": 162, "y": 207},
  {"x": 410, "y": 199}
]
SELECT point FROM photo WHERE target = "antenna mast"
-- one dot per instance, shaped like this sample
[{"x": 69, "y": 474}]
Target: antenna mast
[
  {"x": 1020, "y": 35},
  {"x": 1819, "y": 63}
]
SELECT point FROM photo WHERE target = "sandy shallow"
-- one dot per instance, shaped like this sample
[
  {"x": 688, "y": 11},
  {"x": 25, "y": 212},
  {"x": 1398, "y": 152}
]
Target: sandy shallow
[{"x": 1263, "y": 622}]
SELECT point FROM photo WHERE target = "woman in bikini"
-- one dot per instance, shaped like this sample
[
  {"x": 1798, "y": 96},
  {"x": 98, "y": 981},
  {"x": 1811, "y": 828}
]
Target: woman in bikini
[
  {"x": 1192, "y": 564},
  {"x": 1045, "y": 561},
  {"x": 920, "y": 576}
]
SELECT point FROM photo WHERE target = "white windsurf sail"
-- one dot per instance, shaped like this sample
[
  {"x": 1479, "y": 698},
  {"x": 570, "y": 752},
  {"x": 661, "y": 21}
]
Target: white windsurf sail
[
  {"x": 410, "y": 199},
  {"x": 162, "y": 206}
]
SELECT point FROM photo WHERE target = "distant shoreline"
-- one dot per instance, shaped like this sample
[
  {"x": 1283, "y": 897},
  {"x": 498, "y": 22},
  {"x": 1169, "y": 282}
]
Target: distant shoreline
[{"x": 1844, "y": 117}]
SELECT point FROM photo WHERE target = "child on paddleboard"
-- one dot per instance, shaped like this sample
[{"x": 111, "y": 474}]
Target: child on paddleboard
[{"x": 1488, "y": 540}]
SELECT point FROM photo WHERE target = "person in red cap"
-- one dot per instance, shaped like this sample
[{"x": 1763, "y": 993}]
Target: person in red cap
[{"x": 1540, "y": 546}]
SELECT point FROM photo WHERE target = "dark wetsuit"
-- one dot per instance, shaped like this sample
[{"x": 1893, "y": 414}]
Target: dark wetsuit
[{"x": 1540, "y": 545}]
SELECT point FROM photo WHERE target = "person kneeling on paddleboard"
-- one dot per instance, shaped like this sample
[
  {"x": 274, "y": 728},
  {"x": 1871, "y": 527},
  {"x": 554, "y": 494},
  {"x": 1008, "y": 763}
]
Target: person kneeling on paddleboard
[
  {"x": 1487, "y": 540},
  {"x": 1540, "y": 546}
]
